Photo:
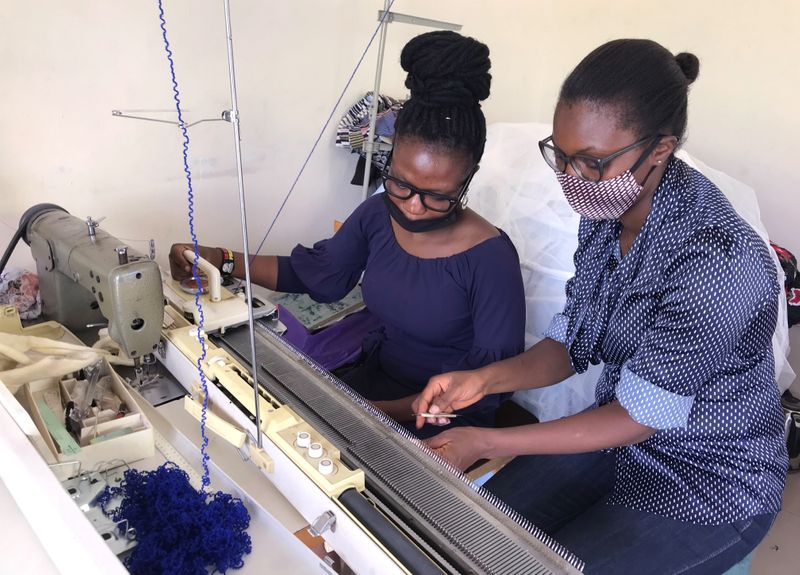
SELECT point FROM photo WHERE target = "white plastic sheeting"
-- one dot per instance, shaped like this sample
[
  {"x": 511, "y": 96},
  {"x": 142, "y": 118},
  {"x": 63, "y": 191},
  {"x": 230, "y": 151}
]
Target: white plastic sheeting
[{"x": 516, "y": 191}]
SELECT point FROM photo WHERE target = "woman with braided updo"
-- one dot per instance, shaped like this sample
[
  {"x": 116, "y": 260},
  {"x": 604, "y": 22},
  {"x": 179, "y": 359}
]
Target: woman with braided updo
[{"x": 444, "y": 283}]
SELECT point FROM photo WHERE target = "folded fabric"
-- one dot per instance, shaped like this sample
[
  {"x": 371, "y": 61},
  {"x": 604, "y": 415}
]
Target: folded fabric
[{"x": 25, "y": 358}]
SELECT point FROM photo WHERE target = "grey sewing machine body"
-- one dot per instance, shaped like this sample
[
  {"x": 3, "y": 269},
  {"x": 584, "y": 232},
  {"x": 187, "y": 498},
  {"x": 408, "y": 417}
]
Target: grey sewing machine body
[{"x": 86, "y": 275}]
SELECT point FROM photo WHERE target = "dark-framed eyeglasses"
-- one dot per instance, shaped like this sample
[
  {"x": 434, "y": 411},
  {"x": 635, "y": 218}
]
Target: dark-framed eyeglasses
[
  {"x": 589, "y": 167},
  {"x": 434, "y": 201}
]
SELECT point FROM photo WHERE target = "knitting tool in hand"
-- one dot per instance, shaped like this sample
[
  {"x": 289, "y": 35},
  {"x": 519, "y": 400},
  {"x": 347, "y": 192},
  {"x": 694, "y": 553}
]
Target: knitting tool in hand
[{"x": 436, "y": 415}]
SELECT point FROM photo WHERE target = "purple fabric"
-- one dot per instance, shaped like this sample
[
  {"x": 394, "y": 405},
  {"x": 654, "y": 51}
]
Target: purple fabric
[
  {"x": 336, "y": 345},
  {"x": 437, "y": 315}
]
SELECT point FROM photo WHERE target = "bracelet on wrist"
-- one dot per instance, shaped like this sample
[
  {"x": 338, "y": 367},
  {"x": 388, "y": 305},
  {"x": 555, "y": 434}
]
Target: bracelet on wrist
[{"x": 227, "y": 265}]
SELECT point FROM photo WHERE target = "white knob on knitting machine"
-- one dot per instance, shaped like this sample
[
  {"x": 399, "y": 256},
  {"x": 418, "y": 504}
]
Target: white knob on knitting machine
[
  {"x": 315, "y": 450},
  {"x": 303, "y": 439},
  {"x": 196, "y": 333},
  {"x": 325, "y": 466}
]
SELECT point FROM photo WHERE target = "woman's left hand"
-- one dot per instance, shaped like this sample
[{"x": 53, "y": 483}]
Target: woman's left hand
[{"x": 461, "y": 446}]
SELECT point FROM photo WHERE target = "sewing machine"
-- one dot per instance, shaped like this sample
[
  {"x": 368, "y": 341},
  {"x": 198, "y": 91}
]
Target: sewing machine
[
  {"x": 87, "y": 277},
  {"x": 378, "y": 497}
]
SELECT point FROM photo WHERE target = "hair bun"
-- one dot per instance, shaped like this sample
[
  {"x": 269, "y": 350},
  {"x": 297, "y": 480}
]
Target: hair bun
[
  {"x": 689, "y": 64},
  {"x": 446, "y": 69}
]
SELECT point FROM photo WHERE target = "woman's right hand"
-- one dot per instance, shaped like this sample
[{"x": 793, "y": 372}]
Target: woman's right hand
[
  {"x": 180, "y": 268},
  {"x": 448, "y": 392}
]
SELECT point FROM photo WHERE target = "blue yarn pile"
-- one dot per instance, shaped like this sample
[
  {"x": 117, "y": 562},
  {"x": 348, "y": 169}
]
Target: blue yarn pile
[{"x": 179, "y": 530}]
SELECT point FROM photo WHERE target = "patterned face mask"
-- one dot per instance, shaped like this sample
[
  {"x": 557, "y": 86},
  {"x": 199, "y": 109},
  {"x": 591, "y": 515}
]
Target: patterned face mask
[{"x": 603, "y": 200}]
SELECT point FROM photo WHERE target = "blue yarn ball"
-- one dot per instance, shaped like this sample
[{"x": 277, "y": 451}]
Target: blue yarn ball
[{"x": 179, "y": 530}]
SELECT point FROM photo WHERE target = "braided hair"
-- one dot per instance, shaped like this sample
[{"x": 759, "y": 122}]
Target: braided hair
[
  {"x": 448, "y": 75},
  {"x": 641, "y": 79}
]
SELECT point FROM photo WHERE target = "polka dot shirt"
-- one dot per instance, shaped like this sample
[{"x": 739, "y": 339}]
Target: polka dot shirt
[{"x": 683, "y": 324}]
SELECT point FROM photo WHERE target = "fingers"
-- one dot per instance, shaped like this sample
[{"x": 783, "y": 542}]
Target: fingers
[
  {"x": 459, "y": 446},
  {"x": 443, "y": 394},
  {"x": 441, "y": 421},
  {"x": 176, "y": 255},
  {"x": 447, "y": 446},
  {"x": 179, "y": 266},
  {"x": 432, "y": 420},
  {"x": 443, "y": 403},
  {"x": 422, "y": 404},
  {"x": 438, "y": 441},
  {"x": 443, "y": 452}
]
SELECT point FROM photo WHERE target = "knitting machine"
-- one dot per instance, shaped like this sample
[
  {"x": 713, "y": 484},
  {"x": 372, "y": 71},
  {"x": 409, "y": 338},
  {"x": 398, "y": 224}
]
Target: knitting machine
[{"x": 382, "y": 500}]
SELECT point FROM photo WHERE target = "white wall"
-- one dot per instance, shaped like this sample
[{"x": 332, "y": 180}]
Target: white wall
[{"x": 66, "y": 65}]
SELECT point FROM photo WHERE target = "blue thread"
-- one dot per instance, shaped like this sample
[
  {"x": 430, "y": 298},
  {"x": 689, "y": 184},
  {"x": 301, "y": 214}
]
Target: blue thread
[
  {"x": 206, "y": 481},
  {"x": 179, "y": 530},
  {"x": 321, "y": 132},
  {"x": 200, "y": 337}
]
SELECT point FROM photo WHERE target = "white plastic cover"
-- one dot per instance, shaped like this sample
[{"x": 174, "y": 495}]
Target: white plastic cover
[{"x": 516, "y": 191}]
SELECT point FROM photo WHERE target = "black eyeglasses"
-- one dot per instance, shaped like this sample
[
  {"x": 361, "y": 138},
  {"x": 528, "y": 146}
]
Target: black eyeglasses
[
  {"x": 588, "y": 167},
  {"x": 434, "y": 201}
]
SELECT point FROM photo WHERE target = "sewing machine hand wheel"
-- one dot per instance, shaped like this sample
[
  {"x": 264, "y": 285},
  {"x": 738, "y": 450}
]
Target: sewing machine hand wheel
[{"x": 212, "y": 273}]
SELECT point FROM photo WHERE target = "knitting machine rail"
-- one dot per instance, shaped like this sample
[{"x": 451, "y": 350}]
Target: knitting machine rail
[{"x": 455, "y": 527}]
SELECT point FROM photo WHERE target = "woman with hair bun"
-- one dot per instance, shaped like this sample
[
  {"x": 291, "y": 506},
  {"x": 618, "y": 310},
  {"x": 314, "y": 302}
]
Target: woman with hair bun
[
  {"x": 680, "y": 464},
  {"x": 432, "y": 268}
]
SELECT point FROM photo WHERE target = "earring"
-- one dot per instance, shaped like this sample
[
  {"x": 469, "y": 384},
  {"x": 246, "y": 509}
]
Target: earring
[
  {"x": 464, "y": 202},
  {"x": 659, "y": 161}
]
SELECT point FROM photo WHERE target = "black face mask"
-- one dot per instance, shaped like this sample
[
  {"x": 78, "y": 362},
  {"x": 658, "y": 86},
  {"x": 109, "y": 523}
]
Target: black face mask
[{"x": 419, "y": 226}]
